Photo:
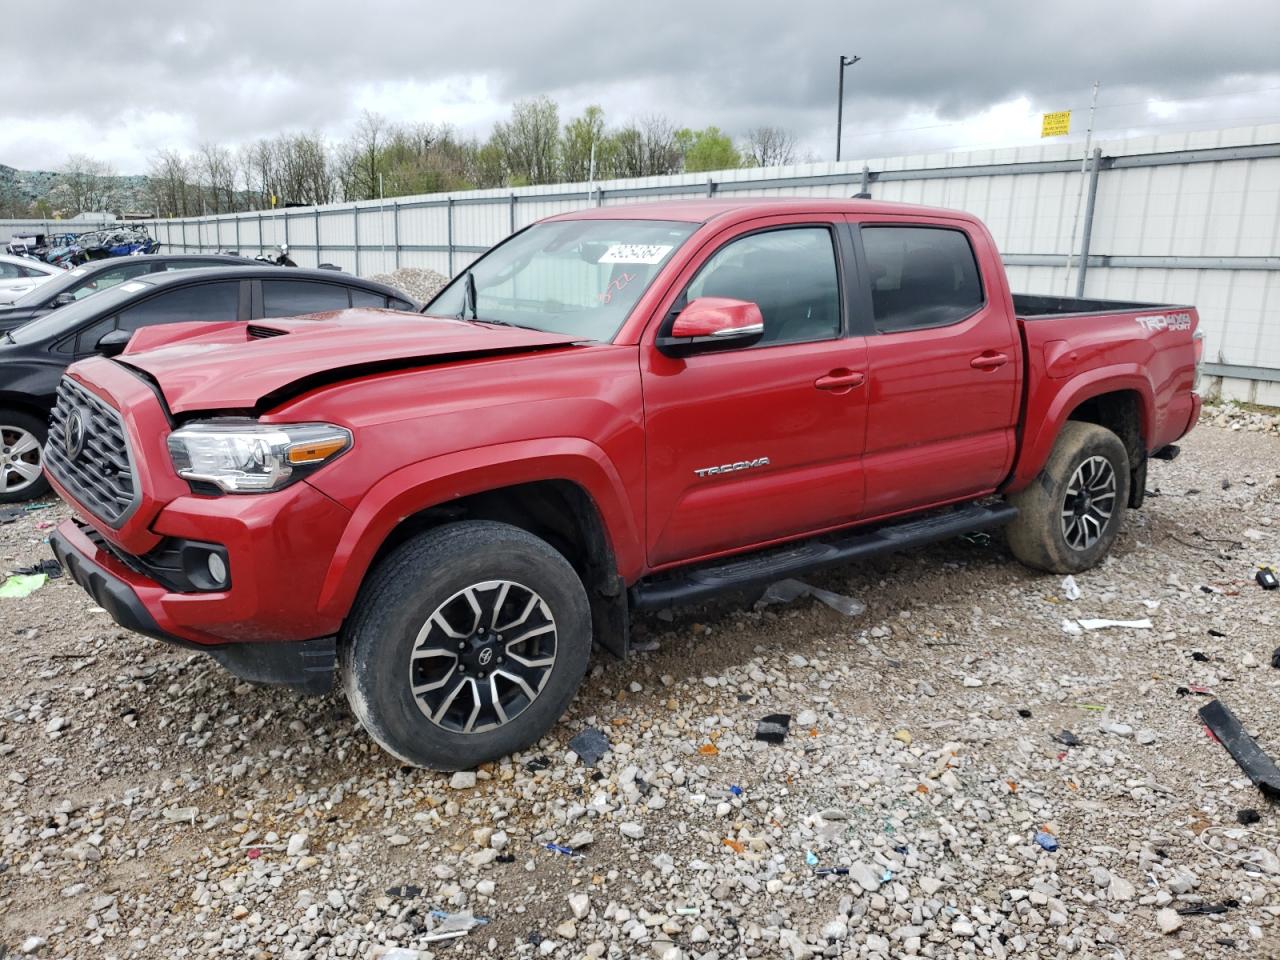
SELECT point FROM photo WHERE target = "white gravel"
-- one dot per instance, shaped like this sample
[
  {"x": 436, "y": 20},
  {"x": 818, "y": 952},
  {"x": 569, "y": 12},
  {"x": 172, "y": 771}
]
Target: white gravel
[
  {"x": 920, "y": 764},
  {"x": 417, "y": 282}
]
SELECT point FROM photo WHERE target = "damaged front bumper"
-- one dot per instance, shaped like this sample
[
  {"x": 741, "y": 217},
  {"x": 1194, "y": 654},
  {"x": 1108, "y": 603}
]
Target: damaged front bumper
[{"x": 306, "y": 665}]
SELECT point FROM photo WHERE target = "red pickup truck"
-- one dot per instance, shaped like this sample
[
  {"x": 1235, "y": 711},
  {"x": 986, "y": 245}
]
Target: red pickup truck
[{"x": 616, "y": 409}]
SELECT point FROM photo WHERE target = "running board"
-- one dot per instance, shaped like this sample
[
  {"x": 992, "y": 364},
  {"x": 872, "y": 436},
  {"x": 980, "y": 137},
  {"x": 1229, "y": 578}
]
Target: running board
[{"x": 758, "y": 569}]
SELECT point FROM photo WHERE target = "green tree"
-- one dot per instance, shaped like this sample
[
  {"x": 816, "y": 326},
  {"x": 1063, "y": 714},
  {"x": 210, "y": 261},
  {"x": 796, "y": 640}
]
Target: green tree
[
  {"x": 708, "y": 149},
  {"x": 582, "y": 136},
  {"x": 530, "y": 141}
]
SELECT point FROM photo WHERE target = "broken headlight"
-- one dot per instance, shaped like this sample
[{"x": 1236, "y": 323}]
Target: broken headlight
[{"x": 243, "y": 456}]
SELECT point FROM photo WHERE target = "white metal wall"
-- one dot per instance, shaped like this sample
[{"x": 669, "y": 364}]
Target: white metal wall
[{"x": 1173, "y": 217}]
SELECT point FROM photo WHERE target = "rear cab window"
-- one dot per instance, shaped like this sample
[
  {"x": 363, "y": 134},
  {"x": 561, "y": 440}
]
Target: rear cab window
[
  {"x": 292, "y": 298},
  {"x": 920, "y": 277}
]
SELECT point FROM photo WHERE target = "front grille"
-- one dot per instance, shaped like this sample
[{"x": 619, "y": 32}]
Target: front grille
[{"x": 95, "y": 467}]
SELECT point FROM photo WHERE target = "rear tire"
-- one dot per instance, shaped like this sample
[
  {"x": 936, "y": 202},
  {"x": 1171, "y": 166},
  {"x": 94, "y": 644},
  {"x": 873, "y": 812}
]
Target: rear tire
[
  {"x": 1072, "y": 512},
  {"x": 22, "y": 439},
  {"x": 466, "y": 643}
]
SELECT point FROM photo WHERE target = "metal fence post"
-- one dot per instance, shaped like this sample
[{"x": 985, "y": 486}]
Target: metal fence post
[
  {"x": 866, "y": 180},
  {"x": 355, "y": 233},
  {"x": 512, "y": 216},
  {"x": 395, "y": 228},
  {"x": 1088, "y": 221},
  {"x": 237, "y": 233},
  {"x": 316, "y": 225},
  {"x": 711, "y": 187},
  {"x": 184, "y": 236},
  {"x": 450, "y": 227}
]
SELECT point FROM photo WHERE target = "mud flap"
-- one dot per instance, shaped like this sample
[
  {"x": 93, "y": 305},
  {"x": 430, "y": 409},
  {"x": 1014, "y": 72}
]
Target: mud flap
[{"x": 1138, "y": 484}]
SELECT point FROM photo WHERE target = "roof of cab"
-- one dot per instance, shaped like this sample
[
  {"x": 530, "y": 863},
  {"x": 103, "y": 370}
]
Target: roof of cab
[{"x": 704, "y": 209}]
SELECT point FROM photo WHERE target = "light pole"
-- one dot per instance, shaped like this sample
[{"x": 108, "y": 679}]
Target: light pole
[{"x": 844, "y": 62}]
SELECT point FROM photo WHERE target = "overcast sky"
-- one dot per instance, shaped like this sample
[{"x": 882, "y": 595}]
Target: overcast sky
[{"x": 121, "y": 81}]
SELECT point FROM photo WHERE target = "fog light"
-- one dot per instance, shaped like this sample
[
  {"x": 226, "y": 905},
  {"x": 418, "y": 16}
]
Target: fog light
[{"x": 217, "y": 569}]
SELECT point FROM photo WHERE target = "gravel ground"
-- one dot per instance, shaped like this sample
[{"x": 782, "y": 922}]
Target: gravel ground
[
  {"x": 153, "y": 806},
  {"x": 415, "y": 281}
]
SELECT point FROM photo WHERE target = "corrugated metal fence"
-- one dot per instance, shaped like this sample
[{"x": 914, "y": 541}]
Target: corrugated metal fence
[{"x": 1185, "y": 218}]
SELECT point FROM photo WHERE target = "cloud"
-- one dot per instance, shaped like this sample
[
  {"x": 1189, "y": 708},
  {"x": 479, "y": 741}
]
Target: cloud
[{"x": 233, "y": 71}]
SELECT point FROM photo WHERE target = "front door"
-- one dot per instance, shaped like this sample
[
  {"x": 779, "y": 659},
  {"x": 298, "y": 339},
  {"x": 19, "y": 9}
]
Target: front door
[{"x": 755, "y": 444}]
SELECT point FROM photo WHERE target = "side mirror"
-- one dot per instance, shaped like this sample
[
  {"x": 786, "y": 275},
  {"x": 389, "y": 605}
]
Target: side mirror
[
  {"x": 112, "y": 344},
  {"x": 713, "y": 323},
  {"x": 64, "y": 299}
]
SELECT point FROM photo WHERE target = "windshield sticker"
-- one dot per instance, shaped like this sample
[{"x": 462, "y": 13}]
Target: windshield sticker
[
  {"x": 133, "y": 287},
  {"x": 635, "y": 253}
]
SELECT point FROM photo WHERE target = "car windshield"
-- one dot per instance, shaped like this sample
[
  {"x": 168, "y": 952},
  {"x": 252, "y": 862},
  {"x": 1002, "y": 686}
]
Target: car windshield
[
  {"x": 577, "y": 277},
  {"x": 66, "y": 319}
]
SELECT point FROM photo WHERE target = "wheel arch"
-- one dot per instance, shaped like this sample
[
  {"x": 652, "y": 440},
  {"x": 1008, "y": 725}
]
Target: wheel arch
[{"x": 569, "y": 498}]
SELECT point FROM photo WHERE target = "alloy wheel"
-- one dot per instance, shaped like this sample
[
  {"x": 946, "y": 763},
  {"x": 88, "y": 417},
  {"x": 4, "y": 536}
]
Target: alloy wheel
[
  {"x": 483, "y": 656},
  {"x": 19, "y": 459},
  {"x": 1089, "y": 502}
]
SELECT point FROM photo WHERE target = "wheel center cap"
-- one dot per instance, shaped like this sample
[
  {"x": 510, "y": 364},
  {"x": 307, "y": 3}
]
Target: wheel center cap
[{"x": 485, "y": 656}]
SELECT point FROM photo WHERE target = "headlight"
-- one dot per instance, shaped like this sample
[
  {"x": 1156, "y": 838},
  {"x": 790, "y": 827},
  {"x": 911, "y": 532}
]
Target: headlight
[{"x": 243, "y": 456}]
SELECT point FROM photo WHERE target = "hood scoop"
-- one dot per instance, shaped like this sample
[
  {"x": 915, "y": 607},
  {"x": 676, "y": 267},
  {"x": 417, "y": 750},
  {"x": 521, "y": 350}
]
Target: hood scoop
[{"x": 256, "y": 331}]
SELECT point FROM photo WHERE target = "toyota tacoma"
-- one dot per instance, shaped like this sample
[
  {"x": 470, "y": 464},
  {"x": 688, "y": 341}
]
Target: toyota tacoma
[{"x": 617, "y": 409}]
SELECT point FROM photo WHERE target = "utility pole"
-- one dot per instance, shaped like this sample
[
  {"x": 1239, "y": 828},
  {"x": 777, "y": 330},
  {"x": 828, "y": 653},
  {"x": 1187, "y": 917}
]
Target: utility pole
[
  {"x": 844, "y": 62},
  {"x": 1084, "y": 163}
]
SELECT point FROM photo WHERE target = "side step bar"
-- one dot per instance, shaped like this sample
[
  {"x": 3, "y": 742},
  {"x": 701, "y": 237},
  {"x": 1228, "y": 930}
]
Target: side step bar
[{"x": 699, "y": 583}]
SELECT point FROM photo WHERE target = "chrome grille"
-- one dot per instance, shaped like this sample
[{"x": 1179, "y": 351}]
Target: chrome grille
[{"x": 95, "y": 465}]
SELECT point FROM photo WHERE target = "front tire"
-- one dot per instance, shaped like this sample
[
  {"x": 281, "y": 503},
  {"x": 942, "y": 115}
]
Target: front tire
[
  {"x": 466, "y": 643},
  {"x": 22, "y": 438},
  {"x": 1072, "y": 512}
]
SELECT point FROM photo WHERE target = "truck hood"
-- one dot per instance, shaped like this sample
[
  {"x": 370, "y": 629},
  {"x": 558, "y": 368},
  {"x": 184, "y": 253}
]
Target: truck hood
[{"x": 258, "y": 365}]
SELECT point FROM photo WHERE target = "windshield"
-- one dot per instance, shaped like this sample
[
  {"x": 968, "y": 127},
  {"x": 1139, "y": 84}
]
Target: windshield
[
  {"x": 68, "y": 318},
  {"x": 81, "y": 282},
  {"x": 576, "y": 277}
]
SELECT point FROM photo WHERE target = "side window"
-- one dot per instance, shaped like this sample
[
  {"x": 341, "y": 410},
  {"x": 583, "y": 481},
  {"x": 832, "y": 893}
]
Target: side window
[
  {"x": 32, "y": 272},
  {"x": 367, "y": 298},
  {"x": 400, "y": 304},
  {"x": 10, "y": 271},
  {"x": 292, "y": 298},
  {"x": 790, "y": 274},
  {"x": 106, "y": 279},
  {"x": 205, "y": 301},
  {"x": 920, "y": 277}
]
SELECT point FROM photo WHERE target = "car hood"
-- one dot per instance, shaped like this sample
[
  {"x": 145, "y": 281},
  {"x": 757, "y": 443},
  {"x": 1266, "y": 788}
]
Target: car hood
[
  {"x": 12, "y": 317},
  {"x": 256, "y": 366}
]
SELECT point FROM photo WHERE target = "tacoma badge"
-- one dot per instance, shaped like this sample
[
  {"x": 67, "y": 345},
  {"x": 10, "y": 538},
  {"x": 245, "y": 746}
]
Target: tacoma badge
[{"x": 733, "y": 467}]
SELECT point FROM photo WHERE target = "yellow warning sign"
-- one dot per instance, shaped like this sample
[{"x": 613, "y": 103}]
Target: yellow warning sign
[{"x": 1056, "y": 124}]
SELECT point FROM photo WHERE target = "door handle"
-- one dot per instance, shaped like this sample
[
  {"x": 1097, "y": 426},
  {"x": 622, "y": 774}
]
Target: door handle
[
  {"x": 840, "y": 381},
  {"x": 989, "y": 361}
]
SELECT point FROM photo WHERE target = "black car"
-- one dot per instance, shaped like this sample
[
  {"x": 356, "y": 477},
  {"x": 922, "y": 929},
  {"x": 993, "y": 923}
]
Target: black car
[
  {"x": 33, "y": 356},
  {"x": 80, "y": 282}
]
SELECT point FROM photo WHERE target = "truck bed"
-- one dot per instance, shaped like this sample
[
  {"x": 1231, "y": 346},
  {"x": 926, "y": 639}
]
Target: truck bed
[{"x": 1034, "y": 306}]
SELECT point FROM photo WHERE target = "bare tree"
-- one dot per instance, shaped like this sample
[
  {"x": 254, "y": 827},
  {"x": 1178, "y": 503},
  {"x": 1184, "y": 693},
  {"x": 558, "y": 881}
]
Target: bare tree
[
  {"x": 530, "y": 141},
  {"x": 216, "y": 170},
  {"x": 647, "y": 147},
  {"x": 170, "y": 182},
  {"x": 770, "y": 147},
  {"x": 87, "y": 184}
]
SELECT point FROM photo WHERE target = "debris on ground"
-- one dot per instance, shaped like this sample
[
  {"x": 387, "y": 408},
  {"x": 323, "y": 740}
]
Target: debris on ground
[
  {"x": 453, "y": 925},
  {"x": 1247, "y": 815},
  {"x": 1260, "y": 768},
  {"x": 1047, "y": 840},
  {"x": 590, "y": 745},
  {"x": 773, "y": 728},
  {"x": 1070, "y": 589},
  {"x": 417, "y": 282},
  {"x": 1067, "y": 738},
  {"x": 1267, "y": 579},
  {"x": 22, "y": 585},
  {"x": 1143, "y": 624},
  {"x": 784, "y": 591},
  {"x": 49, "y": 567}
]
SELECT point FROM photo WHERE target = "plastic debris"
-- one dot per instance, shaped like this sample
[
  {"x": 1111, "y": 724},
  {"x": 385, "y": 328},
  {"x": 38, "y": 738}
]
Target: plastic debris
[
  {"x": 1067, "y": 738},
  {"x": 735, "y": 790},
  {"x": 1199, "y": 657},
  {"x": 562, "y": 850},
  {"x": 1267, "y": 579},
  {"x": 773, "y": 728},
  {"x": 1261, "y": 769},
  {"x": 784, "y": 591},
  {"x": 831, "y": 872},
  {"x": 1143, "y": 624},
  {"x": 1071, "y": 627},
  {"x": 1247, "y": 816},
  {"x": 407, "y": 891},
  {"x": 453, "y": 925},
  {"x": 1047, "y": 840},
  {"x": 590, "y": 746},
  {"x": 1070, "y": 589},
  {"x": 9, "y": 516},
  {"x": 1208, "y": 909},
  {"x": 180, "y": 814},
  {"x": 1194, "y": 688},
  {"x": 22, "y": 585},
  {"x": 50, "y": 568},
  {"x": 978, "y": 539},
  {"x": 810, "y": 858}
]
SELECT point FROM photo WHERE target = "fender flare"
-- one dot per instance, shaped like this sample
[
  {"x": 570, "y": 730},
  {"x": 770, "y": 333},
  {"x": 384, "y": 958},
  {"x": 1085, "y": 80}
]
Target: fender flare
[
  {"x": 1038, "y": 439},
  {"x": 437, "y": 481}
]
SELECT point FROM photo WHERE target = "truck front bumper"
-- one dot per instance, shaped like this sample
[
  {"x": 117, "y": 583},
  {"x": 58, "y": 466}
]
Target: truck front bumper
[{"x": 264, "y": 624}]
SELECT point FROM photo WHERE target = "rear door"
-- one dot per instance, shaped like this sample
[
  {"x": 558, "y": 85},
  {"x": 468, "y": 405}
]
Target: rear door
[
  {"x": 758, "y": 443},
  {"x": 943, "y": 366}
]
